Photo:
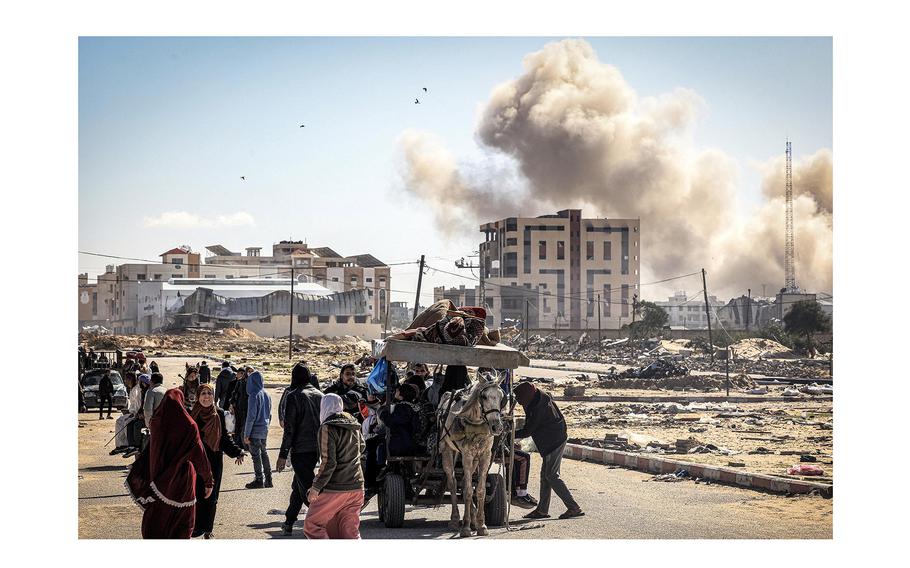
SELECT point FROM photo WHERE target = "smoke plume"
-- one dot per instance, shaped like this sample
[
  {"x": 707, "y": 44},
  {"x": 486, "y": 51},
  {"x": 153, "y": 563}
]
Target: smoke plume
[{"x": 576, "y": 135}]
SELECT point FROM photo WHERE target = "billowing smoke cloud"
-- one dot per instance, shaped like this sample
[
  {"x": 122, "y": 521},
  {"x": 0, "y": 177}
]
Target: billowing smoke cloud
[{"x": 579, "y": 136}]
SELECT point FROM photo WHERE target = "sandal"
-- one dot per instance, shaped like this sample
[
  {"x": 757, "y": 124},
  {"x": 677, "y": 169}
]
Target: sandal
[
  {"x": 535, "y": 514},
  {"x": 572, "y": 513}
]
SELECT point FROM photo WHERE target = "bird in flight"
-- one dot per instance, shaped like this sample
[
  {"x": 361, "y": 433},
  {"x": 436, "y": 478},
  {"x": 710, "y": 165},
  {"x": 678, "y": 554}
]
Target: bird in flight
[
  {"x": 243, "y": 178},
  {"x": 424, "y": 89},
  {"x": 416, "y": 101}
]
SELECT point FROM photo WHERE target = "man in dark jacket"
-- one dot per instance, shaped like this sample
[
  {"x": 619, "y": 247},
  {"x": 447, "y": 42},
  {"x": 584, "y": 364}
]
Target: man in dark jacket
[
  {"x": 221, "y": 385},
  {"x": 238, "y": 401},
  {"x": 545, "y": 424},
  {"x": 301, "y": 423},
  {"x": 205, "y": 373},
  {"x": 349, "y": 389},
  {"x": 105, "y": 393}
]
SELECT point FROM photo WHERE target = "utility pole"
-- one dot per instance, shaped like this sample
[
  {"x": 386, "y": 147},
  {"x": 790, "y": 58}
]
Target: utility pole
[
  {"x": 708, "y": 313},
  {"x": 462, "y": 264},
  {"x": 600, "y": 344},
  {"x": 632, "y": 327},
  {"x": 749, "y": 310},
  {"x": 419, "y": 282},
  {"x": 728, "y": 354},
  {"x": 291, "y": 319},
  {"x": 527, "y": 323}
]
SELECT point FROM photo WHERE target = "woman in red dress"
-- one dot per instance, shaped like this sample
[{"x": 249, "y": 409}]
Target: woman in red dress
[{"x": 163, "y": 479}]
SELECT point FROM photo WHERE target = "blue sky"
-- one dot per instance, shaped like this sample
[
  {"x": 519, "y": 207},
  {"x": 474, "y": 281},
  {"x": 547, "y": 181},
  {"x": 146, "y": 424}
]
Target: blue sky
[{"x": 170, "y": 124}]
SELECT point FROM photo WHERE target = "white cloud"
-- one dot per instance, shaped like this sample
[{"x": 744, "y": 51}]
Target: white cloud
[{"x": 185, "y": 219}]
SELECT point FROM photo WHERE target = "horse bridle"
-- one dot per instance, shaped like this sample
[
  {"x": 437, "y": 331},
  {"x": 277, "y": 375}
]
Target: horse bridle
[{"x": 485, "y": 420}]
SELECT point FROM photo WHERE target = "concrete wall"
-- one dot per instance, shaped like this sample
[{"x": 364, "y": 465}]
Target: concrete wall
[{"x": 278, "y": 327}]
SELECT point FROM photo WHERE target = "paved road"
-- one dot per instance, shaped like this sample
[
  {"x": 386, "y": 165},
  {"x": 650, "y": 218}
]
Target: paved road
[{"x": 619, "y": 503}]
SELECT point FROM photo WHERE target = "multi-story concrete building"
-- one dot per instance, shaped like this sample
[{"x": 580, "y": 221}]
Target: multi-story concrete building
[
  {"x": 554, "y": 267},
  {"x": 460, "y": 296},
  {"x": 688, "y": 312},
  {"x": 399, "y": 315},
  {"x": 320, "y": 265}
]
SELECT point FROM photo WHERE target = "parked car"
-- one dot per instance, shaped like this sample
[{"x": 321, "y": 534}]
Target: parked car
[{"x": 89, "y": 382}]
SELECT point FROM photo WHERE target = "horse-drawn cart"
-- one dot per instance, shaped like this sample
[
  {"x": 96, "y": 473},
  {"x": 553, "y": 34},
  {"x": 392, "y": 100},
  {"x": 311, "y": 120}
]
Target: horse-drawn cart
[{"x": 420, "y": 480}]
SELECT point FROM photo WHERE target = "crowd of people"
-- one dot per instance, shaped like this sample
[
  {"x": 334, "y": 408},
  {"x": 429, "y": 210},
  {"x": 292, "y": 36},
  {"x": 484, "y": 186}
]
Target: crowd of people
[{"x": 337, "y": 440}]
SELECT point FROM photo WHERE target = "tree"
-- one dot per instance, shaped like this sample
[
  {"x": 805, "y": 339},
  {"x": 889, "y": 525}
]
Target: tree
[
  {"x": 805, "y": 318},
  {"x": 652, "y": 319}
]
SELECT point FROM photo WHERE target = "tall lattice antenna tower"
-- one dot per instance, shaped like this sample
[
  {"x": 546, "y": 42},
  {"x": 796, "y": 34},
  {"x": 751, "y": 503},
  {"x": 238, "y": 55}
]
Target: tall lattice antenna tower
[{"x": 789, "y": 246}]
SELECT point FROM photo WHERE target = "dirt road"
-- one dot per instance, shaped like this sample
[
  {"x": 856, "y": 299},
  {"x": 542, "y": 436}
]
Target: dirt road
[{"x": 619, "y": 503}]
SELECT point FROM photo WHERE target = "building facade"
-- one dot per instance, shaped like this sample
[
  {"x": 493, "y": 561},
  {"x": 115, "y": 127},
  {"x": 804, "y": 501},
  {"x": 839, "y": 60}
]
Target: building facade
[
  {"x": 460, "y": 296},
  {"x": 688, "y": 312},
  {"x": 126, "y": 298},
  {"x": 320, "y": 265},
  {"x": 555, "y": 268}
]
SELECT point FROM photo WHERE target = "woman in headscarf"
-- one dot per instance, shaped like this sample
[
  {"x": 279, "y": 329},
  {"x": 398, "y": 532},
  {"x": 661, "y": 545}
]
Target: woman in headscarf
[
  {"x": 163, "y": 479},
  {"x": 217, "y": 441},
  {"x": 336, "y": 496}
]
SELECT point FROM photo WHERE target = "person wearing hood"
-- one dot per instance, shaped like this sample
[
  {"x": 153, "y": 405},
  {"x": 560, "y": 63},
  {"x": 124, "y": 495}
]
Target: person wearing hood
[
  {"x": 205, "y": 373},
  {"x": 162, "y": 481},
  {"x": 300, "y": 375},
  {"x": 256, "y": 429},
  {"x": 216, "y": 441},
  {"x": 222, "y": 381},
  {"x": 545, "y": 424},
  {"x": 336, "y": 496},
  {"x": 301, "y": 423}
]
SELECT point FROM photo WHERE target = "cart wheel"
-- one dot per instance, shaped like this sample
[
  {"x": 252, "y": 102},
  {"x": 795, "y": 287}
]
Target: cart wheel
[
  {"x": 495, "y": 508},
  {"x": 393, "y": 504}
]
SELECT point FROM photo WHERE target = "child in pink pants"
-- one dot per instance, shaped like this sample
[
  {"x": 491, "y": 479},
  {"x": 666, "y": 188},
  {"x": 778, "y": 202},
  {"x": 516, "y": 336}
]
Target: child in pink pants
[{"x": 334, "y": 515}]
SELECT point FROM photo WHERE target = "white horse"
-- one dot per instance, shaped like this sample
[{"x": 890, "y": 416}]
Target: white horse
[{"x": 468, "y": 428}]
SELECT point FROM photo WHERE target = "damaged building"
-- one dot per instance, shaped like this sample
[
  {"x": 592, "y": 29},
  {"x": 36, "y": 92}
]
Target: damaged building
[
  {"x": 262, "y": 306},
  {"x": 554, "y": 267},
  {"x": 131, "y": 297}
]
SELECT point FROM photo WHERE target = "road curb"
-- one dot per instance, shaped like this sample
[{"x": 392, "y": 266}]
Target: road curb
[
  {"x": 725, "y": 475},
  {"x": 737, "y": 399}
]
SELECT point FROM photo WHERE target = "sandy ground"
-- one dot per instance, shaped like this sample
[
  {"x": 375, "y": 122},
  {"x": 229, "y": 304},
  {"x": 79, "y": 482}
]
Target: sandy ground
[{"x": 620, "y": 503}]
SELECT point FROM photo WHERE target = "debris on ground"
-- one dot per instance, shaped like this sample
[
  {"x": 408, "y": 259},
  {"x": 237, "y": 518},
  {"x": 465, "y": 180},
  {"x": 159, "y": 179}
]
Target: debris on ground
[
  {"x": 678, "y": 475},
  {"x": 802, "y": 469}
]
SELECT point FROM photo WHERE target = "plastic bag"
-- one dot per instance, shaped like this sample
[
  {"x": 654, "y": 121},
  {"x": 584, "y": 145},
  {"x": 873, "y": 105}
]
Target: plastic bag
[
  {"x": 377, "y": 378},
  {"x": 229, "y": 421}
]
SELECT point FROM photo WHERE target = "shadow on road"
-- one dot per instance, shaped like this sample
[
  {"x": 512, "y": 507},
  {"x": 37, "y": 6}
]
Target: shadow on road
[
  {"x": 274, "y": 525},
  {"x": 104, "y": 497},
  {"x": 105, "y": 468}
]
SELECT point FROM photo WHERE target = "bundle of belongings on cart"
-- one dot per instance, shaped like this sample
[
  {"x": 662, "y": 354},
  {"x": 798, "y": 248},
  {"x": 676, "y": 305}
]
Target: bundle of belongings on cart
[{"x": 444, "y": 323}]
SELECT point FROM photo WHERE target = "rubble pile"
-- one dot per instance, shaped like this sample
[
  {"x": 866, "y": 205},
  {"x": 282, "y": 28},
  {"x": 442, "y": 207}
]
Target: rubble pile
[
  {"x": 656, "y": 369},
  {"x": 323, "y": 354}
]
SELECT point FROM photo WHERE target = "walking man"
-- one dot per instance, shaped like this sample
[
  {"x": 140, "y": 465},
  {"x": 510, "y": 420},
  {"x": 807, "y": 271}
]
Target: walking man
[
  {"x": 545, "y": 424},
  {"x": 105, "y": 393},
  {"x": 256, "y": 429},
  {"x": 301, "y": 424}
]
